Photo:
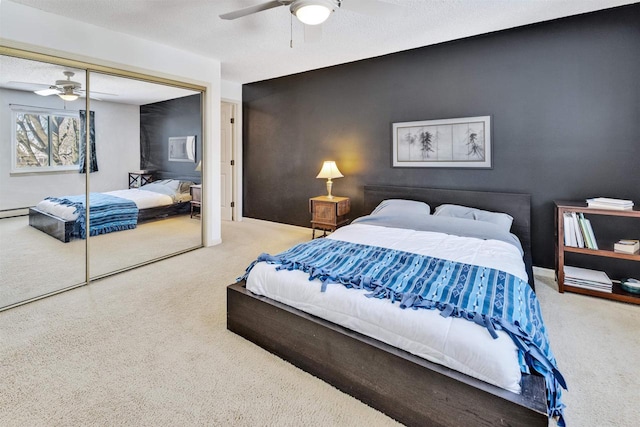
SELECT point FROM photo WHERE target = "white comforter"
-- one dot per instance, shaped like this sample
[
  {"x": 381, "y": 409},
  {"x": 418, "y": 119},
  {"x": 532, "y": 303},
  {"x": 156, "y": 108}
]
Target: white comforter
[
  {"x": 456, "y": 343},
  {"x": 142, "y": 198}
]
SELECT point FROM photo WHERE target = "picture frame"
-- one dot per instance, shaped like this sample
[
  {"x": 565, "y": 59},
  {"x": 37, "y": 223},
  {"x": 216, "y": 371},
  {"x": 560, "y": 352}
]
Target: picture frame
[
  {"x": 182, "y": 149},
  {"x": 448, "y": 143}
]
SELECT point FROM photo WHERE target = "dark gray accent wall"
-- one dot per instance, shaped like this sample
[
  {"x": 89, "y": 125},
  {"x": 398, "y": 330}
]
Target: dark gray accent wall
[
  {"x": 159, "y": 122},
  {"x": 564, "y": 97}
]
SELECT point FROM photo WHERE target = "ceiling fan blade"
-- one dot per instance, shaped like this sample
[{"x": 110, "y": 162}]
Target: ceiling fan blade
[
  {"x": 312, "y": 33},
  {"x": 47, "y": 92},
  {"x": 252, "y": 9},
  {"x": 372, "y": 7},
  {"x": 27, "y": 85}
]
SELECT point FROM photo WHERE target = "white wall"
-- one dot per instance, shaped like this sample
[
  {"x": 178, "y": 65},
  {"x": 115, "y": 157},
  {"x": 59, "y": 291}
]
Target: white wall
[
  {"x": 231, "y": 91},
  {"x": 31, "y": 29},
  {"x": 117, "y": 145}
]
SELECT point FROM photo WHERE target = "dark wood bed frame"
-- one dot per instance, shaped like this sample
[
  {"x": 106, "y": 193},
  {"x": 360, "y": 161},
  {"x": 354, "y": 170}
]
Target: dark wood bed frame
[
  {"x": 63, "y": 230},
  {"x": 405, "y": 387}
]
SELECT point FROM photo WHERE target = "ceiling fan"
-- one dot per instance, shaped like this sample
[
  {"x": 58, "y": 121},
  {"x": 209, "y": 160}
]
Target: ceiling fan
[
  {"x": 314, "y": 12},
  {"x": 65, "y": 89}
]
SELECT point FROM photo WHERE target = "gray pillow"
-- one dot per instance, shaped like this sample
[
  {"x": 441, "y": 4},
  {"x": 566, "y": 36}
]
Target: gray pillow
[
  {"x": 400, "y": 207},
  {"x": 502, "y": 220},
  {"x": 185, "y": 186}
]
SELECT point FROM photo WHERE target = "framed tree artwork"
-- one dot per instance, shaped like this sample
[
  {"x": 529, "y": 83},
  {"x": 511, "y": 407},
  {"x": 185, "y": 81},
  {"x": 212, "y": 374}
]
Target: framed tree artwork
[{"x": 447, "y": 143}]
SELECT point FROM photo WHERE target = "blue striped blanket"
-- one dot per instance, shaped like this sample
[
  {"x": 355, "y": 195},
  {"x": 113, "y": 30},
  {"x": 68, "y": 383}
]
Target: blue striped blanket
[
  {"x": 106, "y": 213},
  {"x": 488, "y": 297}
]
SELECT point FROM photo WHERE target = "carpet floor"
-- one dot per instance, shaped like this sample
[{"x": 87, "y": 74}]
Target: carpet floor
[
  {"x": 150, "y": 347},
  {"x": 33, "y": 263}
]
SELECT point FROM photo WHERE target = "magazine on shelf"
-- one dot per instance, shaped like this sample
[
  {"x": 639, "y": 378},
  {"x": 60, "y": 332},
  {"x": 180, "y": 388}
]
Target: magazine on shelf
[
  {"x": 586, "y": 275},
  {"x": 587, "y": 279},
  {"x": 609, "y": 203},
  {"x": 593, "y": 287},
  {"x": 608, "y": 200}
]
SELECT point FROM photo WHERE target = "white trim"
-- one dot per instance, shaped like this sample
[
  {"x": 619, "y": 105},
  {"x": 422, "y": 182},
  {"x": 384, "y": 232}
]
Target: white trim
[{"x": 237, "y": 157}]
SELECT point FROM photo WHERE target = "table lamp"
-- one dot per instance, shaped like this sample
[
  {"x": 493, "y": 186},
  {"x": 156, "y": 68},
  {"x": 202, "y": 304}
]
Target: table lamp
[{"x": 329, "y": 170}]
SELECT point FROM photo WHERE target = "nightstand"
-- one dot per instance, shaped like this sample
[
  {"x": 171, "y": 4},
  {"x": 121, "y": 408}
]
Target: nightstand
[
  {"x": 196, "y": 198},
  {"x": 327, "y": 214},
  {"x": 139, "y": 178}
]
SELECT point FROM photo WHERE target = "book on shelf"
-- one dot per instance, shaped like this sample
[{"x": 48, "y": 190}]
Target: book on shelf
[
  {"x": 577, "y": 230},
  {"x": 587, "y": 279},
  {"x": 627, "y": 246},
  {"x": 609, "y": 203},
  {"x": 589, "y": 232},
  {"x": 585, "y": 231},
  {"x": 569, "y": 233}
]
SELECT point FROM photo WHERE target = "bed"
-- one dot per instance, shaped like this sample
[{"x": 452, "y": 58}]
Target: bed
[
  {"x": 64, "y": 217},
  {"x": 409, "y": 388}
]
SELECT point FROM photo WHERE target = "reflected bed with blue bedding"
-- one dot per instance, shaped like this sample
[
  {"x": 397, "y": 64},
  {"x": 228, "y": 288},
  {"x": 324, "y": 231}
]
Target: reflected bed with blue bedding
[
  {"x": 65, "y": 217},
  {"x": 107, "y": 213}
]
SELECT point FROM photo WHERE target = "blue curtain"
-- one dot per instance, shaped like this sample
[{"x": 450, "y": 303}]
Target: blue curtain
[{"x": 93, "y": 161}]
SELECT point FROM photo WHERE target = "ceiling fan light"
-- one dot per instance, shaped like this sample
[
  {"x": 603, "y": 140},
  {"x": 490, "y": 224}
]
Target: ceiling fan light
[
  {"x": 68, "y": 94},
  {"x": 312, "y": 12},
  {"x": 68, "y": 97}
]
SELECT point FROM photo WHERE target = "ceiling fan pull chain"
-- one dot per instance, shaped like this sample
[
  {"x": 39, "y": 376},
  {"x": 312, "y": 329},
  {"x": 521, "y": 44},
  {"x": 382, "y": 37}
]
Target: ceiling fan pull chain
[{"x": 291, "y": 31}]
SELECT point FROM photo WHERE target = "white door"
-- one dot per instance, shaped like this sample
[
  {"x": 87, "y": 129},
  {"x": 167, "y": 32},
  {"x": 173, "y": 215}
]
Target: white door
[{"x": 226, "y": 160}]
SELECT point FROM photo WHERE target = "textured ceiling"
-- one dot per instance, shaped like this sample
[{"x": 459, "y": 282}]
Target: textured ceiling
[
  {"x": 256, "y": 47},
  {"x": 26, "y": 75}
]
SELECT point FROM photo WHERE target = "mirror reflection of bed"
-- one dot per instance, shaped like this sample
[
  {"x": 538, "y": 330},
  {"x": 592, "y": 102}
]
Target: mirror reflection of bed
[
  {"x": 133, "y": 121},
  {"x": 160, "y": 230},
  {"x": 146, "y": 220}
]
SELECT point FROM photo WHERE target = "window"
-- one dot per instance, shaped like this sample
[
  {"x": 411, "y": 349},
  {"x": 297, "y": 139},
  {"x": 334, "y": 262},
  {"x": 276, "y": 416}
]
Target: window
[{"x": 45, "y": 140}]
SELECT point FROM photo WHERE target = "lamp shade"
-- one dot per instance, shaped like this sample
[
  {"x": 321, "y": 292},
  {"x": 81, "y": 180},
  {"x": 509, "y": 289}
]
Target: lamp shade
[
  {"x": 312, "y": 12},
  {"x": 329, "y": 170},
  {"x": 199, "y": 166}
]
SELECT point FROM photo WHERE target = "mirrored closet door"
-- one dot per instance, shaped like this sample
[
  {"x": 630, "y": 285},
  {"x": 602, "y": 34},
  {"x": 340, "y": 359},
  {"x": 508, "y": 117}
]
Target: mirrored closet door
[
  {"x": 40, "y": 130},
  {"x": 148, "y": 140},
  {"x": 128, "y": 143}
]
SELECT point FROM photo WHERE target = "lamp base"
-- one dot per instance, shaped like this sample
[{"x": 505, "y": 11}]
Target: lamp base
[{"x": 329, "y": 185}]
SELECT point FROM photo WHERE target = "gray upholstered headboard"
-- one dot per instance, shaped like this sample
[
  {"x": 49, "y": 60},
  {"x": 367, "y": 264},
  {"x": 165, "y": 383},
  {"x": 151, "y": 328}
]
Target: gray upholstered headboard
[{"x": 515, "y": 204}]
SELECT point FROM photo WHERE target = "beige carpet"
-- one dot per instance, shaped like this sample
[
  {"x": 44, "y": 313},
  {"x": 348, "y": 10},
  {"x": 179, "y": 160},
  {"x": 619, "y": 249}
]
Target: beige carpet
[
  {"x": 33, "y": 263},
  {"x": 150, "y": 347}
]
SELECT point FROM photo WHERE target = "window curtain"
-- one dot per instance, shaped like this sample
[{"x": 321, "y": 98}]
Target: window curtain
[{"x": 93, "y": 161}]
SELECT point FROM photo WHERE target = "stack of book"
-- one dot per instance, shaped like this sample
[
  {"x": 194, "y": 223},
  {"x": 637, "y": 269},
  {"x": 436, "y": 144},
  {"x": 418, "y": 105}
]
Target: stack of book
[
  {"x": 607, "y": 203},
  {"x": 626, "y": 246},
  {"x": 587, "y": 279},
  {"x": 578, "y": 231}
]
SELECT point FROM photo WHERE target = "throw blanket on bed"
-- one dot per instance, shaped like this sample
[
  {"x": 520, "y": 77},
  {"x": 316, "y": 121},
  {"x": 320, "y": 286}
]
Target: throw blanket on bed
[
  {"x": 106, "y": 213},
  {"x": 489, "y": 297}
]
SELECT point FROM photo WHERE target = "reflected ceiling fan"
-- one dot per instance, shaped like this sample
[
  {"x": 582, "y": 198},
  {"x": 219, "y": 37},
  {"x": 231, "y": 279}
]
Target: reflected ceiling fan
[
  {"x": 315, "y": 12},
  {"x": 67, "y": 90}
]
